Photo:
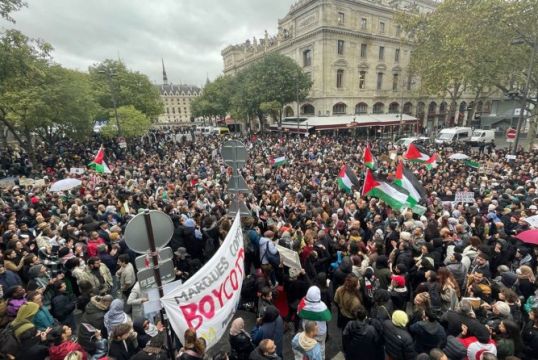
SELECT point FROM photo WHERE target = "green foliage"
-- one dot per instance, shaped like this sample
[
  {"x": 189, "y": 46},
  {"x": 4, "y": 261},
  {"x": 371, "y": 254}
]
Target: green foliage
[
  {"x": 133, "y": 123},
  {"x": 9, "y": 6},
  {"x": 215, "y": 98},
  {"x": 112, "y": 81},
  {"x": 262, "y": 88}
]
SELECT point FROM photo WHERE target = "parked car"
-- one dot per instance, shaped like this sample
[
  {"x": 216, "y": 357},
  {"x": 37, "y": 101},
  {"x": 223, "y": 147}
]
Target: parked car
[{"x": 454, "y": 135}]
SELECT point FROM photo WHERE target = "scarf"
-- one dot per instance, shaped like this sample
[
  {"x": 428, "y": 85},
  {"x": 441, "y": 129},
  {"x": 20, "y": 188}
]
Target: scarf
[
  {"x": 312, "y": 308},
  {"x": 307, "y": 343}
]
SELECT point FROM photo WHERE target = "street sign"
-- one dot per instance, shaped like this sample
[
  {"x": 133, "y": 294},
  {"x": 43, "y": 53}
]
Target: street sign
[
  {"x": 146, "y": 277},
  {"x": 234, "y": 154},
  {"x": 511, "y": 135},
  {"x": 146, "y": 261},
  {"x": 136, "y": 236}
]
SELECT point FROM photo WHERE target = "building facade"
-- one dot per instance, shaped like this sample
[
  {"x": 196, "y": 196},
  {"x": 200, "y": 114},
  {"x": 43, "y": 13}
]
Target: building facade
[
  {"x": 177, "y": 101},
  {"x": 357, "y": 57}
]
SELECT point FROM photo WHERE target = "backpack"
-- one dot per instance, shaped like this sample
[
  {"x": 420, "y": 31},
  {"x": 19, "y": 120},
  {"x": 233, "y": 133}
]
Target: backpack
[
  {"x": 274, "y": 259},
  {"x": 251, "y": 242},
  {"x": 9, "y": 344}
]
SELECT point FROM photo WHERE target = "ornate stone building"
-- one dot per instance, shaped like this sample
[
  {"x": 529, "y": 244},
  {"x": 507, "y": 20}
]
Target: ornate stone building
[
  {"x": 357, "y": 57},
  {"x": 177, "y": 101}
]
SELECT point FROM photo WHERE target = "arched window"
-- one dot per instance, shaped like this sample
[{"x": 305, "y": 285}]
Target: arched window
[
  {"x": 394, "y": 108},
  {"x": 307, "y": 57},
  {"x": 308, "y": 109},
  {"x": 339, "y": 109},
  {"x": 379, "y": 108},
  {"x": 408, "y": 108},
  {"x": 361, "y": 108}
]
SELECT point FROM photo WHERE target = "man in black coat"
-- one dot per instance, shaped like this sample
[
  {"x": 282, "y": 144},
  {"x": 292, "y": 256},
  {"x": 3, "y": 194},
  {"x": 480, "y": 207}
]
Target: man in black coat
[
  {"x": 360, "y": 339},
  {"x": 398, "y": 342}
]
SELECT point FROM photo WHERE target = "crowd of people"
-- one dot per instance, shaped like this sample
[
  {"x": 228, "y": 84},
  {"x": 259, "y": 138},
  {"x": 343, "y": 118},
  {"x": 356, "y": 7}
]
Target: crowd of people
[{"x": 453, "y": 283}]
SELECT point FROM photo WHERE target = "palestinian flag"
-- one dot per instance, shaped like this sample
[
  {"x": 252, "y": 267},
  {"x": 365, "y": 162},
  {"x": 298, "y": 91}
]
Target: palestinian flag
[
  {"x": 473, "y": 164},
  {"x": 314, "y": 311},
  {"x": 368, "y": 158},
  {"x": 347, "y": 179},
  {"x": 393, "y": 195},
  {"x": 279, "y": 161},
  {"x": 406, "y": 179},
  {"x": 416, "y": 153},
  {"x": 98, "y": 164},
  {"x": 432, "y": 162}
]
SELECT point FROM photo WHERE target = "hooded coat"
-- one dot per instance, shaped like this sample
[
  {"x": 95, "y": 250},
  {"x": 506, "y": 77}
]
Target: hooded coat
[
  {"x": 428, "y": 335},
  {"x": 361, "y": 340},
  {"x": 308, "y": 347},
  {"x": 115, "y": 315},
  {"x": 95, "y": 313},
  {"x": 272, "y": 328}
]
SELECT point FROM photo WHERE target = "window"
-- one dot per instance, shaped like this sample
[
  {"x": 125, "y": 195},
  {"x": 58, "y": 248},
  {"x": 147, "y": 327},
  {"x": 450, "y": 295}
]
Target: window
[
  {"x": 339, "y": 108},
  {"x": 361, "y": 108},
  {"x": 378, "y": 108},
  {"x": 409, "y": 82},
  {"x": 398, "y": 30},
  {"x": 364, "y": 23},
  {"x": 173, "y": 110},
  {"x": 395, "y": 82},
  {"x": 364, "y": 50},
  {"x": 379, "y": 81},
  {"x": 382, "y": 27},
  {"x": 381, "y": 53},
  {"x": 362, "y": 79},
  {"x": 339, "y": 78},
  {"x": 397, "y": 55},
  {"x": 340, "y": 47},
  {"x": 307, "y": 57},
  {"x": 340, "y": 18}
]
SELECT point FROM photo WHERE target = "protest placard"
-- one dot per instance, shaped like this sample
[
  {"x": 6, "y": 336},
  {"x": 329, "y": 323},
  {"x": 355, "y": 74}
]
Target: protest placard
[
  {"x": 464, "y": 197},
  {"x": 289, "y": 257}
]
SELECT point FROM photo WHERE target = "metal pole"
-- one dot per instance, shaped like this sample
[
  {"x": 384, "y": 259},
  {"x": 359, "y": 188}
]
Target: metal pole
[
  {"x": 114, "y": 103},
  {"x": 157, "y": 275},
  {"x": 525, "y": 96}
]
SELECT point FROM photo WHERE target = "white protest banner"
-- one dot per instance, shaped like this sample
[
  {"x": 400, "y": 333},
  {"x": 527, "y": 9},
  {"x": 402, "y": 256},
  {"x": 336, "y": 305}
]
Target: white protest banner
[
  {"x": 393, "y": 154},
  {"x": 76, "y": 171},
  {"x": 289, "y": 257},
  {"x": 532, "y": 221},
  {"x": 26, "y": 182},
  {"x": 207, "y": 301},
  {"x": 510, "y": 157},
  {"x": 464, "y": 196}
]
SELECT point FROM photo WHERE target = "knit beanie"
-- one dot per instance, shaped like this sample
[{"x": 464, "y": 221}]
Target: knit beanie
[{"x": 399, "y": 318}]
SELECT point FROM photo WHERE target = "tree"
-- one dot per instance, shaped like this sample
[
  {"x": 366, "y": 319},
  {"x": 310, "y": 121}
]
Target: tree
[
  {"x": 215, "y": 99},
  {"x": 275, "y": 79},
  {"x": 113, "y": 82},
  {"x": 9, "y": 6},
  {"x": 133, "y": 123},
  {"x": 456, "y": 47}
]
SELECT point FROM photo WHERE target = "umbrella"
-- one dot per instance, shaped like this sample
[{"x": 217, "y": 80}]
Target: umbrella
[
  {"x": 65, "y": 184},
  {"x": 458, "y": 156},
  {"x": 529, "y": 237}
]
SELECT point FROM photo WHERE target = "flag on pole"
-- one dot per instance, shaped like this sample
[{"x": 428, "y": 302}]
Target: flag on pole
[
  {"x": 473, "y": 164},
  {"x": 432, "y": 162},
  {"x": 406, "y": 179},
  {"x": 98, "y": 163},
  {"x": 278, "y": 161},
  {"x": 415, "y": 153},
  {"x": 368, "y": 158},
  {"x": 347, "y": 179},
  {"x": 393, "y": 195}
]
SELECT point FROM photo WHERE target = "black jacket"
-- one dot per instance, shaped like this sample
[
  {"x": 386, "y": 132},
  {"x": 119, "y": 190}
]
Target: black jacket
[
  {"x": 428, "y": 335},
  {"x": 398, "y": 342},
  {"x": 529, "y": 335},
  {"x": 62, "y": 306},
  {"x": 241, "y": 346},
  {"x": 258, "y": 355},
  {"x": 360, "y": 340},
  {"x": 118, "y": 351}
]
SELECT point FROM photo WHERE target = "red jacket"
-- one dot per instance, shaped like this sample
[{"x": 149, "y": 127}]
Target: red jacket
[
  {"x": 93, "y": 246},
  {"x": 59, "y": 352}
]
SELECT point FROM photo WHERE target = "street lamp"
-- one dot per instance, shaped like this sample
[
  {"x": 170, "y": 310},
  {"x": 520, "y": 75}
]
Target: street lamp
[
  {"x": 525, "y": 96},
  {"x": 109, "y": 73}
]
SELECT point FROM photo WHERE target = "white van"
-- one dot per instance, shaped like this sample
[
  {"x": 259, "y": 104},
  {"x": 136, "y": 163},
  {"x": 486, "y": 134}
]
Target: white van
[
  {"x": 455, "y": 134},
  {"x": 483, "y": 136},
  {"x": 404, "y": 142}
]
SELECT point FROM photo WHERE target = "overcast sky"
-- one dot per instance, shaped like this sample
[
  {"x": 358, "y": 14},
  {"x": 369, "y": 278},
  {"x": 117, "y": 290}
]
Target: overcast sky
[{"x": 188, "y": 34}]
